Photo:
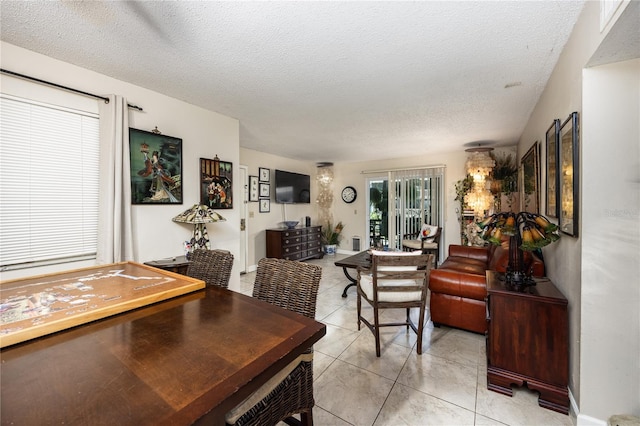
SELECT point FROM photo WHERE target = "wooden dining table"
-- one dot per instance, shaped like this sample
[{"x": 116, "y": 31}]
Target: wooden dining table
[{"x": 185, "y": 360}]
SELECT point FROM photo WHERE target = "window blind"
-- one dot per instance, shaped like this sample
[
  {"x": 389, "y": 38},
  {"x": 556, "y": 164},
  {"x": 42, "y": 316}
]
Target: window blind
[
  {"x": 49, "y": 183},
  {"x": 417, "y": 199}
]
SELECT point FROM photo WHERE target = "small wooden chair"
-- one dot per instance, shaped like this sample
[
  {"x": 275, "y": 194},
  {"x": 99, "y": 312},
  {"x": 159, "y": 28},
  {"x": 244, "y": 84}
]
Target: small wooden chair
[
  {"x": 211, "y": 266},
  {"x": 410, "y": 242},
  {"x": 395, "y": 280},
  {"x": 294, "y": 286}
]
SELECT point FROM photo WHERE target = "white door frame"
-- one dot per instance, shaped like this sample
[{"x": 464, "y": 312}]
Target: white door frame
[{"x": 244, "y": 232}]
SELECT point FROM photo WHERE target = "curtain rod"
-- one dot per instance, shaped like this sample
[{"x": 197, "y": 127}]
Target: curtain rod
[
  {"x": 59, "y": 86},
  {"x": 439, "y": 166}
]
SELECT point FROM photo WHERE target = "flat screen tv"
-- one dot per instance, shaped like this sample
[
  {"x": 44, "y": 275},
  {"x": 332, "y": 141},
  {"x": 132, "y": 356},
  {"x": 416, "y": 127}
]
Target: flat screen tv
[{"x": 292, "y": 188}]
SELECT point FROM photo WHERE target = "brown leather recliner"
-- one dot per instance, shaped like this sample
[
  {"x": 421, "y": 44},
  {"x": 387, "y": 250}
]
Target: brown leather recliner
[{"x": 459, "y": 288}]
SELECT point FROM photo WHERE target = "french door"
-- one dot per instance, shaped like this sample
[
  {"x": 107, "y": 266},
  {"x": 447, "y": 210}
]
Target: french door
[{"x": 415, "y": 197}]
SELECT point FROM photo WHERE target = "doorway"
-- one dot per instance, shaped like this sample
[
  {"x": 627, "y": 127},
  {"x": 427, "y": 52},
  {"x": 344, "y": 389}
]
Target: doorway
[{"x": 416, "y": 197}]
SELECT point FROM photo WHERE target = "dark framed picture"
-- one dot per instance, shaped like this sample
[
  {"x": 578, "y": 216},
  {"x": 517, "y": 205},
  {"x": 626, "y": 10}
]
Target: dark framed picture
[
  {"x": 264, "y": 174},
  {"x": 552, "y": 154},
  {"x": 530, "y": 179},
  {"x": 265, "y": 205},
  {"x": 264, "y": 190},
  {"x": 215, "y": 183},
  {"x": 253, "y": 188},
  {"x": 568, "y": 171},
  {"x": 156, "y": 168}
]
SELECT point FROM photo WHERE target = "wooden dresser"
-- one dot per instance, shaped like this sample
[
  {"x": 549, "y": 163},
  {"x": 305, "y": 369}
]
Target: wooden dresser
[
  {"x": 528, "y": 340},
  {"x": 294, "y": 244}
]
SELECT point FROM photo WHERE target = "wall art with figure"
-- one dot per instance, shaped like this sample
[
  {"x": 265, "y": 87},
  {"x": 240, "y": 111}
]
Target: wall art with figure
[
  {"x": 215, "y": 183},
  {"x": 156, "y": 168}
]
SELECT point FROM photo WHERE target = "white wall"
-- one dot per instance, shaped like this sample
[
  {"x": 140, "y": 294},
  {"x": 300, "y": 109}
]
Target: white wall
[
  {"x": 569, "y": 262},
  {"x": 354, "y": 215},
  {"x": 258, "y": 222},
  {"x": 611, "y": 241},
  {"x": 203, "y": 133}
]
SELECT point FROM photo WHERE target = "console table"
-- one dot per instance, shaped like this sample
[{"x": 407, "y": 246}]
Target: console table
[
  {"x": 178, "y": 264},
  {"x": 294, "y": 244},
  {"x": 528, "y": 340}
]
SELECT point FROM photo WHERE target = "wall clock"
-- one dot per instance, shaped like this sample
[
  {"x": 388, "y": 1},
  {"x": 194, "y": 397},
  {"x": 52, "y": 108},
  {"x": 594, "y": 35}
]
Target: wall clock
[{"x": 349, "y": 194}]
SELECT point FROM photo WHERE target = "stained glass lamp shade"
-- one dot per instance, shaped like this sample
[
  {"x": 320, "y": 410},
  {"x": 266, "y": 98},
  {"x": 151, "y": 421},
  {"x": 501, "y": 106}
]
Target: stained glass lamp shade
[
  {"x": 526, "y": 231},
  {"x": 199, "y": 215}
]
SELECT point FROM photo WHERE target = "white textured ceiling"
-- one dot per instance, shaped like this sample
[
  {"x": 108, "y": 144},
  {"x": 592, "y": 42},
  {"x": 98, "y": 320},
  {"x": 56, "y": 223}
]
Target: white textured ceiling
[{"x": 321, "y": 81}]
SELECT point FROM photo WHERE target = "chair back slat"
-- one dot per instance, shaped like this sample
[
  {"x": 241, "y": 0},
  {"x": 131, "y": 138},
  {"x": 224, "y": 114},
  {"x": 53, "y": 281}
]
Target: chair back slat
[{"x": 395, "y": 280}]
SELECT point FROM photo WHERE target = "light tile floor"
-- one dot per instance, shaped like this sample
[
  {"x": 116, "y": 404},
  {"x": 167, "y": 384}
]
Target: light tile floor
[{"x": 446, "y": 385}]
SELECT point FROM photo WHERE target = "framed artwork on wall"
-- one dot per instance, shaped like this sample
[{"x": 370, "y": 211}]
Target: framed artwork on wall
[
  {"x": 264, "y": 190},
  {"x": 156, "y": 168},
  {"x": 265, "y": 205},
  {"x": 568, "y": 175},
  {"x": 264, "y": 174},
  {"x": 552, "y": 154},
  {"x": 253, "y": 188},
  {"x": 530, "y": 179},
  {"x": 215, "y": 183}
]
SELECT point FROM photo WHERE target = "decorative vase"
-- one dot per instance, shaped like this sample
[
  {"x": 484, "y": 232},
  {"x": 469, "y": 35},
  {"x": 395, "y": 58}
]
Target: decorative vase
[{"x": 330, "y": 249}]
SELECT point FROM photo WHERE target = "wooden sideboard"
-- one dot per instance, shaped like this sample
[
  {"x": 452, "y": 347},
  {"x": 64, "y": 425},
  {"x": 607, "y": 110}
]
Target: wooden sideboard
[
  {"x": 294, "y": 244},
  {"x": 528, "y": 340}
]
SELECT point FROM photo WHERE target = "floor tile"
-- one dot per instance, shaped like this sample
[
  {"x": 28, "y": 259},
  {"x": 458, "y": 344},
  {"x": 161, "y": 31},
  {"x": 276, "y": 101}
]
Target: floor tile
[
  {"x": 320, "y": 363},
  {"x": 406, "y": 406},
  {"x": 351, "y": 393},
  {"x": 459, "y": 346},
  {"x": 362, "y": 353},
  {"x": 442, "y": 378},
  {"x": 335, "y": 341},
  {"x": 446, "y": 385}
]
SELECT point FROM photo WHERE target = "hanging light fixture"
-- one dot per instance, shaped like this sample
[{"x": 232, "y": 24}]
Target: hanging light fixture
[
  {"x": 479, "y": 166},
  {"x": 480, "y": 163},
  {"x": 325, "y": 193}
]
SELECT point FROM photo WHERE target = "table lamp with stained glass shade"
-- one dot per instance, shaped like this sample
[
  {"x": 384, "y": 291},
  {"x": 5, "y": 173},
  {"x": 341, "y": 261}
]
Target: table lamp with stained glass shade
[
  {"x": 198, "y": 215},
  {"x": 525, "y": 231}
]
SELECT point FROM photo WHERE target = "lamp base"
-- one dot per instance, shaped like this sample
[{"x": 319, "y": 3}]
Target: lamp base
[{"x": 518, "y": 280}]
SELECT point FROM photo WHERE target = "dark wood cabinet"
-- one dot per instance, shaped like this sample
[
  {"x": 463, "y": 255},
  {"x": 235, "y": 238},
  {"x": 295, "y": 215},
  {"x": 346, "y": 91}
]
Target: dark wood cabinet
[
  {"x": 294, "y": 244},
  {"x": 528, "y": 340},
  {"x": 178, "y": 264}
]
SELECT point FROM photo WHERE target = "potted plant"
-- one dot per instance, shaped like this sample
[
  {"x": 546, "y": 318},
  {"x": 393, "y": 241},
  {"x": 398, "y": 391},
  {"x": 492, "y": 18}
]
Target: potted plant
[
  {"x": 331, "y": 237},
  {"x": 504, "y": 178}
]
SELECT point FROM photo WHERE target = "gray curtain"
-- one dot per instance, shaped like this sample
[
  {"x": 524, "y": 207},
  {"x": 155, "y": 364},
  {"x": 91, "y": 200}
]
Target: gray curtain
[{"x": 115, "y": 230}]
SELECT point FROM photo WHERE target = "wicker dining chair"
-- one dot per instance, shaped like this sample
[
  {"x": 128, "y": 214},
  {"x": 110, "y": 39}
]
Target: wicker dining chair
[
  {"x": 211, "y": 266},
  {"x": 395, "y": 280},
  {"x": 294, "y": 286}
]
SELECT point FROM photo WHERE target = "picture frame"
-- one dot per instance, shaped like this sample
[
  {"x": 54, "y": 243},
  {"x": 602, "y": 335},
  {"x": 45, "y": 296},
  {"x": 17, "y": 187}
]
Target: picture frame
[
  {"x": 265, "y": 190},
  {"x": 568, "y": 175},
  {"x": 530, "y": 180},
  {"x": 265, "y": 205},
  {"x": 553, "y": 180},
  {"x": 216, "y": 189},
  {"x": 156, "y": 168},
  {"x": 264, "y": 174},
  {"x": 253, "y": 188}
]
